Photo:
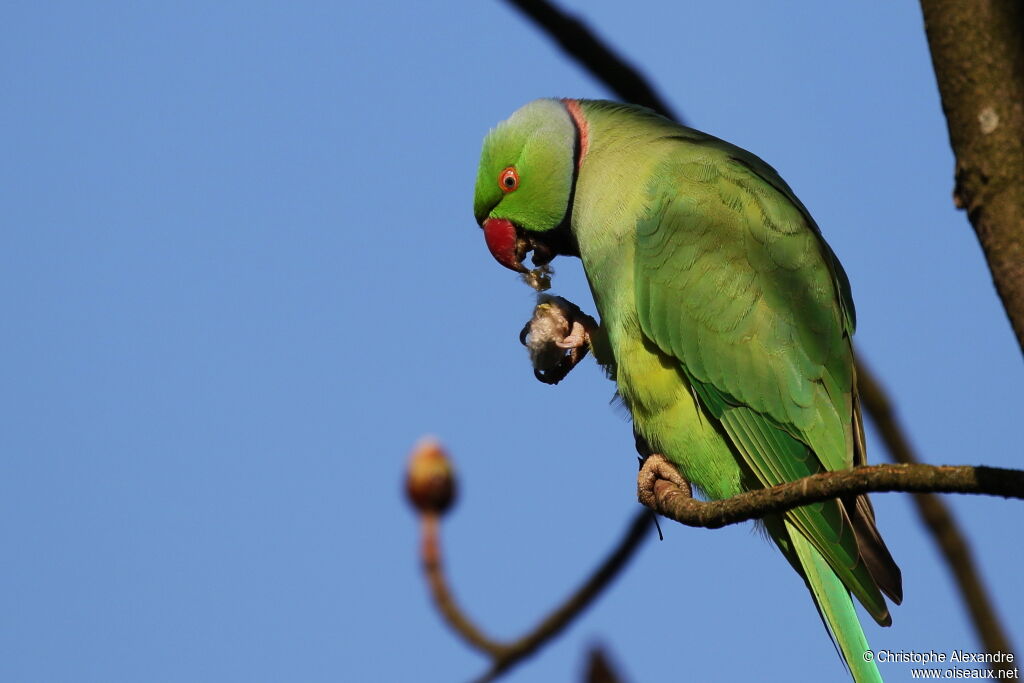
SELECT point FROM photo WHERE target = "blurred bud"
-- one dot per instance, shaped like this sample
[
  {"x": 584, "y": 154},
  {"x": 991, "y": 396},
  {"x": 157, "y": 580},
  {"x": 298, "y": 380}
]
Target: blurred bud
[{"x": 430, "y": 481}]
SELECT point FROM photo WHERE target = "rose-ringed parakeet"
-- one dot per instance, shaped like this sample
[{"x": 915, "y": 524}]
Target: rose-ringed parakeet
[{"x": 725, "y": 319}]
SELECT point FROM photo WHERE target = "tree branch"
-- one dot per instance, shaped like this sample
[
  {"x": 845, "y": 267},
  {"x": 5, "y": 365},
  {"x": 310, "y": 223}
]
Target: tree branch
[
  {"x": 430, "y": 487},
  {"x": 444, "y": 600},
  {"x": 561, "y": 617},
  {"x": 583, "y": 45},
  {"x": 661, "y": 488},
  {"x": 506, "y": 655},
  {"x": 977, "y": 50}
]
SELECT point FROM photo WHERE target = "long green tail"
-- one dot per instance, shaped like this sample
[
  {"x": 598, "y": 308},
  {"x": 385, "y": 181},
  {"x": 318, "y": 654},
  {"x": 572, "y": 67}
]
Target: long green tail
[{"x": 836, "y": 608}]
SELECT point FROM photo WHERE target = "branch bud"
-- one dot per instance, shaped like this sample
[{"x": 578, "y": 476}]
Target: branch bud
[{"x": 430, "y": 480}]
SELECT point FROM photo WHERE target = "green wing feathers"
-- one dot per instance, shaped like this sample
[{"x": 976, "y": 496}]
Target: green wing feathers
[
  {"x": 776, "y": 457},
  {"x": 733, "y": 280}
]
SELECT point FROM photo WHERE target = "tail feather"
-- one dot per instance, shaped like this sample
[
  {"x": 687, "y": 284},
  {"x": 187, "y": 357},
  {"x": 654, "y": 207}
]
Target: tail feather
[
  {"x": 835, "y": 607},
  {"x": 881, "y": 566}
]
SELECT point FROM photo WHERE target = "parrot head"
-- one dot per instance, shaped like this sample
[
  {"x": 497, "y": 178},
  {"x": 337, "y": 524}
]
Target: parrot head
[{"x": 524, "y": 185}]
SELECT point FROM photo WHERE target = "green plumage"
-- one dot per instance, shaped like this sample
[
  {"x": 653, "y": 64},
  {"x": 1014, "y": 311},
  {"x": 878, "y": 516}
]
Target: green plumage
[{"x": 726, "y": 319}]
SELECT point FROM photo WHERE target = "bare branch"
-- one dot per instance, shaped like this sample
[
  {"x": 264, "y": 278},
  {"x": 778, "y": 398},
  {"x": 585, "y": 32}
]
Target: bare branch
[
  {"x": 977, "y": 50},
  {"x": 506, "y": 655},
  {"x": 661, "y": 488},
  {"x": 580, "y": 43},
  {"x": 557, "y": 620},
  {"x": 430, "y": 529}
]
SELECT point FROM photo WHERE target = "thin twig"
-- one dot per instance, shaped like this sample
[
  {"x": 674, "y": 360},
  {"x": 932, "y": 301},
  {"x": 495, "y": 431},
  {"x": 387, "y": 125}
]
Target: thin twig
[
  {"x": 662, "y": 489},
  {"x": 557, "y": 620},
  {"x": 583, "y": 45},
  {"x": 430, "y": 529},
  {"x": 506, "y": 655}
]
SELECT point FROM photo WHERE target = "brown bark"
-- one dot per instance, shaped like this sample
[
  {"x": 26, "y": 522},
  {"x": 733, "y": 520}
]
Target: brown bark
[
  {"x": 977, "y": 49},
  {"x": 661, "y": 488}
]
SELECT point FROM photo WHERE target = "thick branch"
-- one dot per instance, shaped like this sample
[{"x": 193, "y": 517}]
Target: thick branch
[
  {"x": 505, "y": 655},
  {"x": 977, "y": 50},
  {"x": 660, "y": 487}
]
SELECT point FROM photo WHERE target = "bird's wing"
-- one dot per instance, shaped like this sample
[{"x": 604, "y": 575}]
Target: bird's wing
[{"x": 734, "y": 280}]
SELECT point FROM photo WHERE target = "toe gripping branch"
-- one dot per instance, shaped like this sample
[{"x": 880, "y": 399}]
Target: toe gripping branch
[{"x": 557, "y": 337}]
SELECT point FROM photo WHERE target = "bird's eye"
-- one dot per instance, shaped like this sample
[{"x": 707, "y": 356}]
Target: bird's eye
[{"x": 508, "y": 179}]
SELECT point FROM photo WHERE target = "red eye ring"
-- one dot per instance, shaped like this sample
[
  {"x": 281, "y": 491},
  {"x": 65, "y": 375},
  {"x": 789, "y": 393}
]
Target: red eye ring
[{"x": 508, "y": 179}]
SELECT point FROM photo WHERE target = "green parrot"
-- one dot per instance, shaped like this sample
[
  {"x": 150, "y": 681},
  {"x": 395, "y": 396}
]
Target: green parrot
[{"x": 725, "y": 319}]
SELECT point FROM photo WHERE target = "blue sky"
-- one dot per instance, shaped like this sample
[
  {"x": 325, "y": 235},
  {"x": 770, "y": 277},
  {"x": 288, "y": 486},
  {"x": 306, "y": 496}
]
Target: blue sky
[{"x": 241, "y": 276}]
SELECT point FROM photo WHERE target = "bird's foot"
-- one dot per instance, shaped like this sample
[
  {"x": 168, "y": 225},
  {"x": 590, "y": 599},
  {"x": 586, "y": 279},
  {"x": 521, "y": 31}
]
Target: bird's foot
[
  {"x": 557, "y": 337},
  {"x": 654, "y": 468}
]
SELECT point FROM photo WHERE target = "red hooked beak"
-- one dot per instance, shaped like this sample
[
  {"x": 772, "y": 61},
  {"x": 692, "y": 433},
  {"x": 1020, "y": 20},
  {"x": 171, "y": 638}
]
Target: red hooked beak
[{"x": 506, "y": 245}]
